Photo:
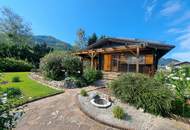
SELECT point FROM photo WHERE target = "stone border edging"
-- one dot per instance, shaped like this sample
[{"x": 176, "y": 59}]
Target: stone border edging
[
  {"x": 38, "y": 81},
  {"x": 96, "y": 119}
]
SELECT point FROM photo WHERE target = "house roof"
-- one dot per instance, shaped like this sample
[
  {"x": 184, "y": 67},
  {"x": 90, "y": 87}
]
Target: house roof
[
  {"x": 126, "y": 44},
  {"x": 131, "y": 41}
]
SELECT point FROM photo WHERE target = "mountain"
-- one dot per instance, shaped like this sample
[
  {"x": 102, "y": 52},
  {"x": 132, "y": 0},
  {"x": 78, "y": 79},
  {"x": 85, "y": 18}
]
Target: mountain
[
  {"x": 52, "y": 42},
  {"x": 167, "y": 61}
]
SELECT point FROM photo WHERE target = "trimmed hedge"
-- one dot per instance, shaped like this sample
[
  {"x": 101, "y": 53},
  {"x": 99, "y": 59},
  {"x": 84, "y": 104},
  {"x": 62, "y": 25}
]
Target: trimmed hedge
[
  {"x": 14, "y": 65},
  {"x": 143, "y": 92},
  {"x": 59, "y": 65}
]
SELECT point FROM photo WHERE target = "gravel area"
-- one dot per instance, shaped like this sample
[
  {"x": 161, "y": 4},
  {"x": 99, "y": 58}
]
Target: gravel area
[
  {"x": 39, "y": 78},
  {"x": 135, "y": 119}
]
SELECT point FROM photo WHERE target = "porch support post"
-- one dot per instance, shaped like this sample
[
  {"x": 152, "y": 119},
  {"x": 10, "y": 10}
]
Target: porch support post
[
  {"x": 137, "y": 58},
  {"x": 91, "y": 63},
  {"x": 92, "y": 55}
]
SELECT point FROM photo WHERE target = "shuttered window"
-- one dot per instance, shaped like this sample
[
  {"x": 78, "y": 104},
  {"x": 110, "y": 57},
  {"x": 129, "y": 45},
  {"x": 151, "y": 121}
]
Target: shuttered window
[{"x": 149, "y": 59}]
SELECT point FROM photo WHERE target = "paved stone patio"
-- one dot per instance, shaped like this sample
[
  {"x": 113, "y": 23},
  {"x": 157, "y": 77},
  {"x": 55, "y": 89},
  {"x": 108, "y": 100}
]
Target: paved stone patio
[{"x": 57, "y": 113}]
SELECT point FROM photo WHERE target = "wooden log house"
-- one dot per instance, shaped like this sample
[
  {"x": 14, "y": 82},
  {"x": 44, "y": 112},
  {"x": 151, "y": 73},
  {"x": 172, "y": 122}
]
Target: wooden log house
[{"x": 125, "y": 55}]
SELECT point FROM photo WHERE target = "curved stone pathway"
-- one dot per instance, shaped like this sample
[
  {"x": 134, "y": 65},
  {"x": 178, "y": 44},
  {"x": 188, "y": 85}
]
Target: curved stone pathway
[{"x": 57, "y": 113}]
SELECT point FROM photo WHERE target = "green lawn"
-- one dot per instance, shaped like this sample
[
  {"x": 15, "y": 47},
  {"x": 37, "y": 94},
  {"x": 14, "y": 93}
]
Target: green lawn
[{"x": 31, "y": 89}]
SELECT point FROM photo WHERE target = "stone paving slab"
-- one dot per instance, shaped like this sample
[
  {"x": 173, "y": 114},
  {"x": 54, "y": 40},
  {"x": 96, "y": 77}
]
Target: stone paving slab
[{"x": 59, "y": 112}]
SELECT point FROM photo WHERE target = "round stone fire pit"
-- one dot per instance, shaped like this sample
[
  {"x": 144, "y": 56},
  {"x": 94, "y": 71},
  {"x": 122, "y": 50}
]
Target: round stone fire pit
[{"x": 100, "y": 102}]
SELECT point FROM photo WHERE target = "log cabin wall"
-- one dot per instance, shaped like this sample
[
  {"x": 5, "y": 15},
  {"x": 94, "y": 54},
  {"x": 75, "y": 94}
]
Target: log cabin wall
[{"x": 126, "y": 62}]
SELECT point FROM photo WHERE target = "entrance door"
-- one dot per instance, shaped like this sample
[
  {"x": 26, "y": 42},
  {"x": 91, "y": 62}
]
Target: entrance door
[{"x": 107, "y": 62}]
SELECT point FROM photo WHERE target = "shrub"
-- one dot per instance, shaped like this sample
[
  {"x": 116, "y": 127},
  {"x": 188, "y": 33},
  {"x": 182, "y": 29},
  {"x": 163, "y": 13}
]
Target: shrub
[
  {"x": 91, "y": 75},
  {"x": 80, "y": 82},
  {"x": 143, "y": 92},
  {"x": 83, "y": 92},
  {"x": 59, "y": 65},
  {"x": 161, "y": 76},
  {"x": 99, "y": 74},
  {"x": 177, "y": 106},
  {"x": 118, "y": 112},
  {"x": 13, "y": 92},
  {"x": 16, "y": 79},
  {"x": 14, "y": 65},
  {"x": 178, "y": 78},
  {"x": 51, "y": 66},
  {"x": 73, "y": 82}
]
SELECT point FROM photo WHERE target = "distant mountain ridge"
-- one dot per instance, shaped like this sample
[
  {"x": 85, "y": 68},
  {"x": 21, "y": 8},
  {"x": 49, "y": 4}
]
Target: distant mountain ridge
[
  {"x": 167, "y": 61},
  {"x": 52, "y": 42}
]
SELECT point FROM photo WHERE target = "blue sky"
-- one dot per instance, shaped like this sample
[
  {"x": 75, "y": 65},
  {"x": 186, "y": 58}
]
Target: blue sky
[{"x": 162, "y": 20}]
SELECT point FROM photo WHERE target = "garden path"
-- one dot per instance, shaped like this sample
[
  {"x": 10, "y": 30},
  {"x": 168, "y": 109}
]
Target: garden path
[{"x": 59, "y": 112}]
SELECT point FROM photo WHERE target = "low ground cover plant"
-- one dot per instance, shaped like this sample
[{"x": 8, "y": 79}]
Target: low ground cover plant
[
  {"x": 16, "y": 79},
  {"x": 118, "y": 112},
  {"x": 143, "y": 92},
  {"x": 13, "y": 92},
  {"x": 83, "y": 92},
  {"x": 6, "y": 104}
]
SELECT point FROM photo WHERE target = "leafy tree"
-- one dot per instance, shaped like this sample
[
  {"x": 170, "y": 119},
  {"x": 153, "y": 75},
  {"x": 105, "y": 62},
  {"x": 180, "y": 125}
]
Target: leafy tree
[
  {"x": 103, "y": 37},
  {"x": 39, "y": 51},
  {"x": 16, "y": 39},
  {"x": 92, "y": 39},
  {"x": 13, "y": 26},
  {"x": 81, "y": 42}
]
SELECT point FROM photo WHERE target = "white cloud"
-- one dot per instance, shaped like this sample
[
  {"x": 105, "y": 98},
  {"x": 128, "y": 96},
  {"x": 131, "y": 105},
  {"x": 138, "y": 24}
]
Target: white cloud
[
  {"x": 174, "y": 30},
  {"x": 149, "y": 6},
  {"x": 183, "y": 56},
  {"x": 184, "y": 40},
  {"x": 170, "y": 8},
  {"x": 183, "y": 37},
  {"x": 183, "y": 18}
]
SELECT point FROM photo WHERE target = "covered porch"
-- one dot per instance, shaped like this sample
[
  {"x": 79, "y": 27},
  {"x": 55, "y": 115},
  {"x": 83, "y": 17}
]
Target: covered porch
[{"x": 121, "y": 59}]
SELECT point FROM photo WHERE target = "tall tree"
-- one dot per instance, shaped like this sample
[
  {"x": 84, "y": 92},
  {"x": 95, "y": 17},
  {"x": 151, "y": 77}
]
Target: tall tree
[
  {"x": 13, "y": 26},
  {"x": 103, "y": 37},
  {"x": 16, "y": 39},
  {"x": 39, "y": 51},
  {"x": 81, "y": 42},
  {"x": 92, "y": 39}
]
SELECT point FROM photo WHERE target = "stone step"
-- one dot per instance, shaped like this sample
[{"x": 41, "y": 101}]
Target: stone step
[{"x": 110, "y": 75}]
